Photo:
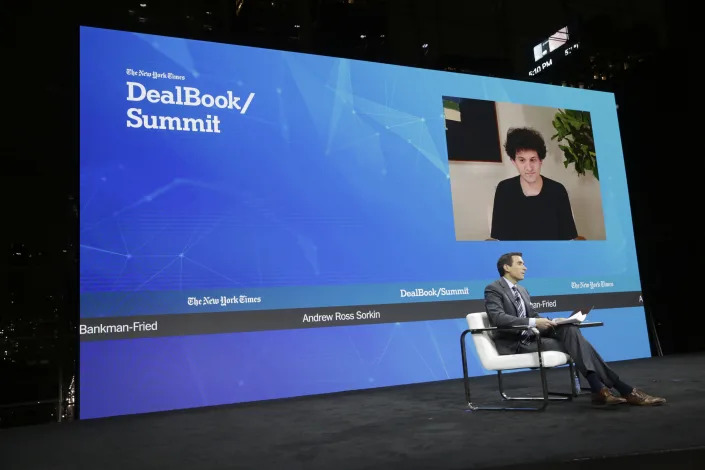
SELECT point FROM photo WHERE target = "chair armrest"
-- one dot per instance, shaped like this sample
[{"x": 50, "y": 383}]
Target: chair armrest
[
  {"x": 504, "y": 328},
  {"x": 527, "y": 327},
  {"x": 589, "y": 324}
]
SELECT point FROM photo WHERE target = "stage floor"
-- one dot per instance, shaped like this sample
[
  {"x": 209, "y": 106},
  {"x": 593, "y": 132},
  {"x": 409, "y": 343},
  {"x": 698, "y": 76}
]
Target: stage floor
[{"x": 423, "y": 426}]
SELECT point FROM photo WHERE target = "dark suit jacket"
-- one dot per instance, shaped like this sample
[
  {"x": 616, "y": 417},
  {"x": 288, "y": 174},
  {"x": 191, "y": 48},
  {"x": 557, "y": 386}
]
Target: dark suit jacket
[{"x": 501, "y": 311}]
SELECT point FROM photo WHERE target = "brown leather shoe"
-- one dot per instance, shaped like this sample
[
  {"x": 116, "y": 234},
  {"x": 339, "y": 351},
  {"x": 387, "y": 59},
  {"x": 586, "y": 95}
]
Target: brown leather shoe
[
  {"x": 605, "y": 397},
  {"x": 639, "y": 398}
]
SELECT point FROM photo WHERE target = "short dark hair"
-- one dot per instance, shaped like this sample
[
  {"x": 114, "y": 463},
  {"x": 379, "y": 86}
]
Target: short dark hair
[
  {"x": 524, "y": 138},
  {"x": 506, "y": 258}
]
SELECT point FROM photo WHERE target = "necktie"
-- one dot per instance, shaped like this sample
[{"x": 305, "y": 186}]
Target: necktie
[{"x": 525, "y": 334}]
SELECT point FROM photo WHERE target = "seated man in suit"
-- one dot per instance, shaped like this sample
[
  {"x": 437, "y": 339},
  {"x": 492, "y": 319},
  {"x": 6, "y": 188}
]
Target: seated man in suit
[{"x": 508, "y": 304}]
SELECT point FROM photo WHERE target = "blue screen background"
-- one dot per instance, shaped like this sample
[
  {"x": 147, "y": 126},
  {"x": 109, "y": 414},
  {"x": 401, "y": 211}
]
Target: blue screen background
[{"x": 332, "y": 189}]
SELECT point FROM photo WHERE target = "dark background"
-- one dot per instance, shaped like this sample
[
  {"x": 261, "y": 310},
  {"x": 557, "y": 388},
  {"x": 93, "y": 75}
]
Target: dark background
[
  {"x": 476, "y": 136},
  {"x": 640, "y": 50}
]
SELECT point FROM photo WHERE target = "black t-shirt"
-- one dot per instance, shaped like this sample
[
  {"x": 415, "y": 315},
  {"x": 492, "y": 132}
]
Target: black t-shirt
[{"x": 546, "y": 216}]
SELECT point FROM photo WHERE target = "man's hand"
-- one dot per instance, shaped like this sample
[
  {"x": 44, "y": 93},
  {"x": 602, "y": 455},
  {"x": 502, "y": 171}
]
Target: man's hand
[{"x": 544, "y": 323}]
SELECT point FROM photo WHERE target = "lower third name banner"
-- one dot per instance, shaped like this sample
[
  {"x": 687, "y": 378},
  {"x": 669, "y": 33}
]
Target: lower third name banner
[{"x": 147, "y": 326}]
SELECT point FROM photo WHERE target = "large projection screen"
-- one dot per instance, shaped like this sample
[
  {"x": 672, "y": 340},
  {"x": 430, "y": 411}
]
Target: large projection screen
[{"x": 259, "y": 224}]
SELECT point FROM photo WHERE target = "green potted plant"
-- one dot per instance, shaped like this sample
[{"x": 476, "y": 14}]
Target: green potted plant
[{"x": 574, "y": 129}]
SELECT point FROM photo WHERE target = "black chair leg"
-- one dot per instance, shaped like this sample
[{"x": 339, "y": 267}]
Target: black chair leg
[{"x": 552, "y": 396}]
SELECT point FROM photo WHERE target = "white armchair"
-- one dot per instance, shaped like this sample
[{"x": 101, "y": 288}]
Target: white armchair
[{"x": 480, "y": 329}]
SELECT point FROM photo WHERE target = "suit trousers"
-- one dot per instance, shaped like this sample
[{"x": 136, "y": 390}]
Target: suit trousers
[{"x": 570, "y": 340}]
